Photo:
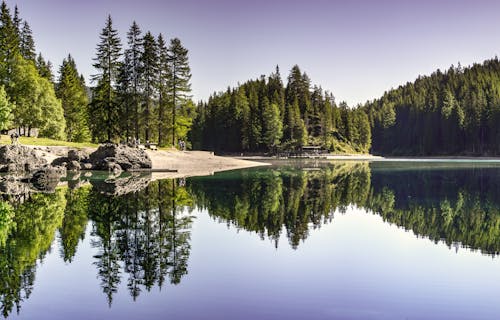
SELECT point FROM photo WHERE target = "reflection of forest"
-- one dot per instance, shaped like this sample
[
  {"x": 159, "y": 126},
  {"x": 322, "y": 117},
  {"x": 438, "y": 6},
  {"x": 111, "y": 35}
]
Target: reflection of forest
[
  {"x": 143, "y": 237},
  {"x": 453, "y": 205}
]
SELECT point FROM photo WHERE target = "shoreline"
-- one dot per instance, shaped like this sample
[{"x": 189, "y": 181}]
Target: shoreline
[{"x": 186, "y": 163}]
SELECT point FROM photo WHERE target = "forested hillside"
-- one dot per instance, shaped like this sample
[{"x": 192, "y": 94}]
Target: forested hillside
[
  {"x": 264, "y": 115},
  {"x": 446, "y": 113}
]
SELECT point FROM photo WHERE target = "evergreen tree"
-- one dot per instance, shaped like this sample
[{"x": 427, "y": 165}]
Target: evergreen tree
[
  {"x": 178, "y": 85},
  {"x": 27, "y": 44},
  {"x": 9, "y": 44},
  {"x": 163, "y": 76},
  {"x": 149, "y": 72},
  {"x": 133, "y": 58},
  {"x": 104, "y": 109},
  {"x": 71, "y": 91},
  {"x": 44, "y": 68}
]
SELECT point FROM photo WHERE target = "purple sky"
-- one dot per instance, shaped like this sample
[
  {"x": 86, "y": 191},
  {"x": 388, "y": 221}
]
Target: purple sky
[{"x": 357, "y": 49}]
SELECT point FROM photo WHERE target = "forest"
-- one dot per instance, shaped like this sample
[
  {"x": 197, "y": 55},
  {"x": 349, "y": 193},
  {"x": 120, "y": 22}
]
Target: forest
[
  {"x": 264, "y": 115},
  {"x": 456, "y": 112},
  {"x": 142, "y": 90}
]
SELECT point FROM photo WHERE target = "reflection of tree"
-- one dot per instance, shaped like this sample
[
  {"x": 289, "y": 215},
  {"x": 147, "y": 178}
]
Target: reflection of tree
[
  {"x": 74, "y": 222},
  {"x": 146, "y": 231},
  {"x": 265, "y": 201},
  {"x": 454, "y": 206},
  {"x": 460, "y": 205},
  {"x": 34, "y": 224}
]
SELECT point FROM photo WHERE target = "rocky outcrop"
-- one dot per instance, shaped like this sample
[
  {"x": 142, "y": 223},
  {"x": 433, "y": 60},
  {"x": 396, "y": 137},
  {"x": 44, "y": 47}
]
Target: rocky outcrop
[
  {"x": 16, "y": 158},
  {"x": 115, "y": 157}
]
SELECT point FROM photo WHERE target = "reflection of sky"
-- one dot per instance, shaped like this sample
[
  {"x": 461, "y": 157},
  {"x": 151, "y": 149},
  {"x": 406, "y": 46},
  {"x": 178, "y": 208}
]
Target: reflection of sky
[
  {"x": 356, "y": 267},
  {"x": 355, "y": 48}
]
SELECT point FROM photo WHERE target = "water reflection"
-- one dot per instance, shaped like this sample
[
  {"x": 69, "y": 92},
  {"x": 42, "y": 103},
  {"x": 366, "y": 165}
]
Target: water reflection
[{"x": 142, "y": 229}]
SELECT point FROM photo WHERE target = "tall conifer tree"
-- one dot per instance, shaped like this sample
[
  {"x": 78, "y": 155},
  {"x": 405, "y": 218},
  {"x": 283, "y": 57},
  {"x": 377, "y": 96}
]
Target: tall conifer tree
[{"x": 103, "y": 107}]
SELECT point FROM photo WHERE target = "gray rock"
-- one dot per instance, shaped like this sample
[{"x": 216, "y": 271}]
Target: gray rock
[
  {"x": 78, "y": 155},
  {"x": 16, "y": 158},
  {"x": 47, "y": 178},
  {"x": 127, "y": 158},
  {"x": 61, "y": 161},
  {"x": 73, "y": 166}
]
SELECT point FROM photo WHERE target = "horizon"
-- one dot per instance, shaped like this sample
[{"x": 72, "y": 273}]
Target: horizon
[{"x": 356, "y": 50}]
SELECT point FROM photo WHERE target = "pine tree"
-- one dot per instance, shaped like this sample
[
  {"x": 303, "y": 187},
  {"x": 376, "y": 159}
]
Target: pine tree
[
  {"x": 9, "y": 44},
  {"x": 27, "y": 44},
  {"x": 71, "y": 91},
  {"x": 149, "y": 71},
  {"x": 133, "y": 57},
  {"x": 179, "y": 85},
  {"x": 44, "y": 68},
  {"x": 163, "y": 76},
  {"x": 104, "y": 108},
  {"x": 17, "y": 20}
]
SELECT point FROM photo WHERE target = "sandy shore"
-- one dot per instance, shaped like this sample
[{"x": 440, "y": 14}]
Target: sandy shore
[
  {"x": 187, "y": 163},
  {"x": 194, "y": 163}
]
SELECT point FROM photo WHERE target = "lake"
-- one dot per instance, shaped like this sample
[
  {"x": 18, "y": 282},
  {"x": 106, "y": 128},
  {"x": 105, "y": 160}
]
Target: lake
[{"x": 296, "y": 240}]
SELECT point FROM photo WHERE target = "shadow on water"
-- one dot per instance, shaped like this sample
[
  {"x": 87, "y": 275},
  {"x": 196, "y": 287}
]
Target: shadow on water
[{"x": 141, "y": 229}]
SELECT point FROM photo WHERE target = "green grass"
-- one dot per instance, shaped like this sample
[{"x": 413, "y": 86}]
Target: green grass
[{"x": 31, "y": 141}]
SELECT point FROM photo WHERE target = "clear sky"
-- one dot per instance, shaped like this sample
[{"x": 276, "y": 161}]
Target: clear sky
[{"x": 356, "y": 49}]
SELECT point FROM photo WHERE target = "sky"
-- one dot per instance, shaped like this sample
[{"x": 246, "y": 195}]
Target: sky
[{"x": 356, "y": 49}]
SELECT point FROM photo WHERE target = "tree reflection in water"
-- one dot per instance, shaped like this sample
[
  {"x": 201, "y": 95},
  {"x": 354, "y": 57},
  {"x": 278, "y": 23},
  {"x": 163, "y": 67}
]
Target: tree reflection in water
[{"x": 142, "y": 229}]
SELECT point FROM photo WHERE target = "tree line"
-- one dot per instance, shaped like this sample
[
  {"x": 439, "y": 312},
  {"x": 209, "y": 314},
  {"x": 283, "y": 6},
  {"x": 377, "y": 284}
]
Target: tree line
[
  {"x": 142, "y": 92},
  {"x": 265, "y": 115},
  {"x": 446, "y": 113}
]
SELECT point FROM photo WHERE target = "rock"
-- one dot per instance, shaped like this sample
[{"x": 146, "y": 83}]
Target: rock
[
  {"x": 78, "y": 155},
  {"x": 47, "y": 179},
  {"x": 127, "y": 158},
  {"x": 61, "y": 161},
  {"x": 16, "y": 158},
  {"x": 85, "y": 166},
  {"x": 73, "y": 166}
]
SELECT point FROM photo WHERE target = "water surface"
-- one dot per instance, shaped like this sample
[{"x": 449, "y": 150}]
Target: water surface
[{"x": 298, "y": 240}]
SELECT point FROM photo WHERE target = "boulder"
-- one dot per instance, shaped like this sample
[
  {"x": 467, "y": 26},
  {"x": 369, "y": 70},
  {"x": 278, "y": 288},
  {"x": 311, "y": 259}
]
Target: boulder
[
  {"x": 78, "y": 155},
  {"x": 108, "y": 155},
  {"x": 46, "y": 179},
  {"x": 16, "y": 158}
]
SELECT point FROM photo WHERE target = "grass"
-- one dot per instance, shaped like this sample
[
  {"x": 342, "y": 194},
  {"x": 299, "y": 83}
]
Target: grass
[{"x": 31, "y": 141}]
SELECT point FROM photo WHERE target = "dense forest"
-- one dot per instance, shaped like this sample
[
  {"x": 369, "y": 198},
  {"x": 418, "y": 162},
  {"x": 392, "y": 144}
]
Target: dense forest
[
  {"x": 141, "y": 91},
  {"x": 446, "y": 113},
  {"x": 264, "y": 115}
]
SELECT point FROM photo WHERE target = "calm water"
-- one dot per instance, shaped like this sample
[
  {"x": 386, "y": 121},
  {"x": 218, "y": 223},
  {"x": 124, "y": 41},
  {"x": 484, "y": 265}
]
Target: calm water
[{"x": 344, "y": 240}]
